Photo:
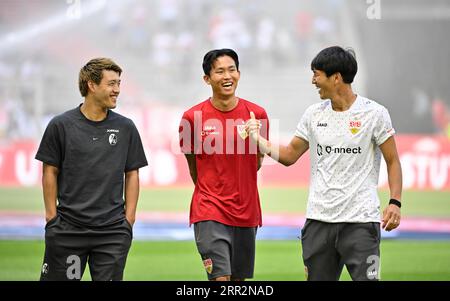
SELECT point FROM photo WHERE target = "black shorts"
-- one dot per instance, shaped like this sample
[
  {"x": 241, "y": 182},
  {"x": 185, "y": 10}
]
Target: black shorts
[
  {"x": 226, "y": 250},
  {"x": 69, "y": 247},
  {"x": 327, "y": 247}
]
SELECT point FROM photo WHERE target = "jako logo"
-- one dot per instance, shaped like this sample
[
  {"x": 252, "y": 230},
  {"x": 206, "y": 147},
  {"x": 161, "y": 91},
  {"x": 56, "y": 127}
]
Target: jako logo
[
  {"x": 322, "y": 124},
  {"x": 338, "y": 150}
]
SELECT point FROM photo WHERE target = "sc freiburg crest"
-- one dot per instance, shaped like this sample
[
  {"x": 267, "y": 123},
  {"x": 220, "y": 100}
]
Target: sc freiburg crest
[{"x": 113, "y": 139}]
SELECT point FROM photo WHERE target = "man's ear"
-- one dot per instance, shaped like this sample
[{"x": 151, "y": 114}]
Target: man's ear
[
  {"x": 207, "y": 79},
  {"x": 338, "y": 78},
  {"x": 91, "y": 86}
]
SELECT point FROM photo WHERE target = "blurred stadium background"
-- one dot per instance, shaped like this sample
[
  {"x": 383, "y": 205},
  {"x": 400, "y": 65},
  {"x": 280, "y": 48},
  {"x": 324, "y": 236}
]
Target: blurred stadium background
[{"x": 404, "y": 64}]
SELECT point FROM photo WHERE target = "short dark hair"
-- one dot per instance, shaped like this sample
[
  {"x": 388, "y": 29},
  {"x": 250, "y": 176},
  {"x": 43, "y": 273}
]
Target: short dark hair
[
  {"x": 93, "y": 71},
  {"x": 335, "y": 59},
  {"x": 213, "y": 55}
]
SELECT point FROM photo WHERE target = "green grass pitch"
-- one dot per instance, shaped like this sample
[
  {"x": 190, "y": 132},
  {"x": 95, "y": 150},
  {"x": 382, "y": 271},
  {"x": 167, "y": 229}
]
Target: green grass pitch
[{"x": 275, "y": 260}]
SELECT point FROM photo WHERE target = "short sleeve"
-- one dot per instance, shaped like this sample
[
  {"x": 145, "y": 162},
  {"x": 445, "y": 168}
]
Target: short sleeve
[
  {"x": 186, "y": 134},
  {"x": 303, "y": 128},
  {"x": 383, "y": 127},
  {"x": 51, "y": 148},
  {"x": 136, "y": 155}
]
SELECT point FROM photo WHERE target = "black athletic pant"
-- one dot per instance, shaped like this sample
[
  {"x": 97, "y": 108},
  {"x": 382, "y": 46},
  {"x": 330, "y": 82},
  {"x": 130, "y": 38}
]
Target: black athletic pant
[
  {"x": 327, "y": 247},
  {"x": 69, "y": 247}
]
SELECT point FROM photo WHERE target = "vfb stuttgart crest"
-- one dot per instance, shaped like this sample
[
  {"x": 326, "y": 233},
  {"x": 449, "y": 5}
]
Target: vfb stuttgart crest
[
  {"x": 355, "y": 126},
  {"x": 113, "y": 139},
  {"x": 241, "y": 131},
  {"x": 207, "y": 263}
]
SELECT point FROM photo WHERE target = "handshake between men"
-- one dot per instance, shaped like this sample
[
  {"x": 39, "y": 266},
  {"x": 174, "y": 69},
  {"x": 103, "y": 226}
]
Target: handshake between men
[{"x": 252, "y": 126}]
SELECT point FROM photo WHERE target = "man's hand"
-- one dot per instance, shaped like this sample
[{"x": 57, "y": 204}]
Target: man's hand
[
  {"x": 252, "y": 126},
  {"x": 49, "y": 216},
  {"x": 130, "y": 219},
  {"x": 391, "y": 217}
]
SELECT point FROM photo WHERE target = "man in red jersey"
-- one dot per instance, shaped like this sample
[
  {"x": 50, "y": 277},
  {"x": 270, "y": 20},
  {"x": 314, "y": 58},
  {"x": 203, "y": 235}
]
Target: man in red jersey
[{"x": 223, "y": 164}]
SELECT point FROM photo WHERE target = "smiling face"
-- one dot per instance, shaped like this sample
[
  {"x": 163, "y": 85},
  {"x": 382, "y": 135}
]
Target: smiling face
[
  {"x": 325, "y": 85},
  {"x": 223, "y": 77},
  {"x": 106, "y": 92}
]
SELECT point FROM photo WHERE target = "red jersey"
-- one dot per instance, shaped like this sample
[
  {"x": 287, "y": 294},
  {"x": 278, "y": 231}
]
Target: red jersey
[{"x": 226, "y": 190}]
